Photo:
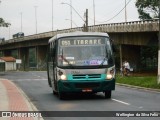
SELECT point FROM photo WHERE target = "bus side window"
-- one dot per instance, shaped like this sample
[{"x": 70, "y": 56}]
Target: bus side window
[
  {"x": 50, "y": 57},
  {"x": 52, "y": 51}
]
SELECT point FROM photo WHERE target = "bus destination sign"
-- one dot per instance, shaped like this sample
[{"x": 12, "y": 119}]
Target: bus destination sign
[{"x": 67, "y": 42}]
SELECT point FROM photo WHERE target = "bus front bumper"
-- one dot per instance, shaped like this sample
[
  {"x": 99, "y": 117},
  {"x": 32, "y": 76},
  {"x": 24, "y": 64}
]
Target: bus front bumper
[{"x": 86, "y": 86}]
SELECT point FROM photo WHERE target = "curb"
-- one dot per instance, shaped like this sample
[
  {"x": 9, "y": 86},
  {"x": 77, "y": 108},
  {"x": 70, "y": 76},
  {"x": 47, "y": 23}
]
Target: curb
[
  {"x": 138, "y": 87},
  {"x": 28, "y": 102}
]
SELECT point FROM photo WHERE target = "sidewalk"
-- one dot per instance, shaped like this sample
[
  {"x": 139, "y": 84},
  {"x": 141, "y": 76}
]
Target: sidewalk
[{"x": 13, "y": 98}]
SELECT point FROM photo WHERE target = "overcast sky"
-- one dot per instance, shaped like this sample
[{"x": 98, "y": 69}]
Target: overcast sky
[{"x": 13, "y": 10}]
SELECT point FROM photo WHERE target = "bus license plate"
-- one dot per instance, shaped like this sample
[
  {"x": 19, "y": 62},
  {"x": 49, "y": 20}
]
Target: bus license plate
[{"x": 87, "y": 90}]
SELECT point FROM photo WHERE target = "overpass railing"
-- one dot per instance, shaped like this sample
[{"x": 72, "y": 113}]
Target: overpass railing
[{"x": 133, "y": 26}]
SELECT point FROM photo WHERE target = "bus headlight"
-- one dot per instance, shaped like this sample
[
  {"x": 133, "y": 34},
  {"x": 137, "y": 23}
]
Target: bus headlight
[
  {"x": 109, "y": 76},
  {"x": 110, "y": 73},
  {"x": 63, "y": 77}
]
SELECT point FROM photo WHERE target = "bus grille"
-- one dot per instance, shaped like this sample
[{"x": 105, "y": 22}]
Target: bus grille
[
  {"x": 89, "y": 76},
  {"x": 87, "y": 85}
]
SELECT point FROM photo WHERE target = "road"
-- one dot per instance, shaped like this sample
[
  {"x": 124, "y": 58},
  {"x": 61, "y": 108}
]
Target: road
[{"x": 35, "y": 86}]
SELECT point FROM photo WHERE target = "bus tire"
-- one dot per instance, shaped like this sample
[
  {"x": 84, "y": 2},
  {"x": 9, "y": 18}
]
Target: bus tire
[
  {"x": 108, "y": 94},
  {"x": 55, "y": 92},
  {"x": 49, "y": 83}
]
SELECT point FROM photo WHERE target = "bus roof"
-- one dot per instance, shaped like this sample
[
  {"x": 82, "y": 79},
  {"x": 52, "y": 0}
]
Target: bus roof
[{"x": 78, "y": 33}]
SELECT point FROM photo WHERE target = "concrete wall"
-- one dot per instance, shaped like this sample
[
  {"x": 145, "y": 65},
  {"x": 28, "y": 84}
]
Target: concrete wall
[{"x": 10, "y": 66}]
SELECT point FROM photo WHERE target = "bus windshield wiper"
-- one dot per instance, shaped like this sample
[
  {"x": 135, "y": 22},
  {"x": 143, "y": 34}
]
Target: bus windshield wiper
[
  {"x": 63, "y": 58},
  {"x": 105, "y": 58}
]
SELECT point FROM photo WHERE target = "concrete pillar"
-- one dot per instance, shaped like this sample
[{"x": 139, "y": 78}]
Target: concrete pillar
[
  {"x": 32, "y": 57},
  {"x": 23, "y": 55},
  {"x": 41, "y": 56}
]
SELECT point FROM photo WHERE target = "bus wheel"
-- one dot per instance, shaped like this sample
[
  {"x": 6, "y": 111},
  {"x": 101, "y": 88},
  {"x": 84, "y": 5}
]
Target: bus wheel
[
  {"x": 55, "y": 92},
  {"x": 49, "y": 83},
  {"x": 108, "y": 94}
]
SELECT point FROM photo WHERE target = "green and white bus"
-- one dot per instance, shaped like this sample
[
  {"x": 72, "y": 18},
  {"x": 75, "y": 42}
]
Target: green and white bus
[{"x": 81, "y": 62}]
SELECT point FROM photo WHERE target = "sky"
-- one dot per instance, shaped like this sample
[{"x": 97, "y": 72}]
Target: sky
[{"x": 35, "y": 16}]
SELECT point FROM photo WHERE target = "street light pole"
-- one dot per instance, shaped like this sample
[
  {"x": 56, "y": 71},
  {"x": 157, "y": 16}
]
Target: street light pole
[
  {"x": 86, "y": 22},
  {"x": 74, "y": 10},
  {"x": 36, "y": 17},
  {"x": 72, "y": 22},
  {"x": 71, "y": 12},
  {"x": 94, "y": 11},
  {"x": 21, "y": 21},
  {"x": 125, "y": 12},
  {"x": 158, "y": 78},
  {"x": 52, "y": 15}
]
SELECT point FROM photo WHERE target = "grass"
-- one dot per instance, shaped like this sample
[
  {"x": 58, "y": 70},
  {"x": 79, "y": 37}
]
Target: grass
[{"x": 142, "y": 81}]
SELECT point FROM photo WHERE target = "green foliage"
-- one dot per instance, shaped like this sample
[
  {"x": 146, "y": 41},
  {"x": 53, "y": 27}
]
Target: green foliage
[
  {"x": 149, "y": 57},
  {"x": 148, "y": 9},
  {"x": 3, "y": 23},
  {"x": 147, "y": 81}
]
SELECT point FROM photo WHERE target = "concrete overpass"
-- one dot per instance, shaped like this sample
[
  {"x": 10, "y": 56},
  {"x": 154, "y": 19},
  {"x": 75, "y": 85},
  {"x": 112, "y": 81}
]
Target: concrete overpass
[{"x": 128, "y": 38}]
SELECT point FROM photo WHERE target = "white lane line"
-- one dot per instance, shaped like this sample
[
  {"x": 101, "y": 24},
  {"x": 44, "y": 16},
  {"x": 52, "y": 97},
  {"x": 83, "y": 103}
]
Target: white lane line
[
  {"x": 29, "y": 79},
  {"x": 121, "y": 102},
  {"x": 140, "y": 107},
  {"x": 37, "y": 75}
]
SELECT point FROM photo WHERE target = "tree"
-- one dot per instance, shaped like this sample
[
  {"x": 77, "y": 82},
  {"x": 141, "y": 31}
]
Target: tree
[
  {"x": 3, "y": 23},
  {"x": 148, "y": 9}
]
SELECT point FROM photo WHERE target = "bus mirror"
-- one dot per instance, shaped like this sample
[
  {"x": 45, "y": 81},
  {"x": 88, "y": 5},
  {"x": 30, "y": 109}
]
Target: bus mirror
[
  {"x": 112, "y": 45},
  {"x": 54, "y": 63},
  {"x": 111, "y": 41},
  {"x": 113, "y": 48}
]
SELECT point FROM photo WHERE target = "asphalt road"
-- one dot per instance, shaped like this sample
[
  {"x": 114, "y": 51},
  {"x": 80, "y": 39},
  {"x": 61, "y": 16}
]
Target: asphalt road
[{"x": 35, "y": 85}]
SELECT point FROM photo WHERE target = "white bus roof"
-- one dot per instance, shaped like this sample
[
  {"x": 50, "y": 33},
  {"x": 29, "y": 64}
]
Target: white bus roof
[{"x": 77, "y": 34}]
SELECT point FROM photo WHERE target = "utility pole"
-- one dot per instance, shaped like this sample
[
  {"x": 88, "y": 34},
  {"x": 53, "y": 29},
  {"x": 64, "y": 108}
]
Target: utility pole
[
  {"x": 21, "y": 21},
  {"x": 158, "y": 78},
  {"x": 86, "y": 21},
  {"x": 36, "y": 17},
  {"x": 125, "y": 12}
]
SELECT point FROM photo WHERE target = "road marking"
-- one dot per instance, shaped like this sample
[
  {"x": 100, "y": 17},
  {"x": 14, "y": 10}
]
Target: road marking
[
  {"x": 121, "y": 102},
  {"x": 29, "y": 79},
  {"x": 140, "y": 107},
  {"x": 36, "y": 75}
]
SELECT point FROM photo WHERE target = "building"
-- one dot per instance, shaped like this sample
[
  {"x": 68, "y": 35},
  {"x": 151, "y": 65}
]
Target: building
[{"x": 10, "y": 63}]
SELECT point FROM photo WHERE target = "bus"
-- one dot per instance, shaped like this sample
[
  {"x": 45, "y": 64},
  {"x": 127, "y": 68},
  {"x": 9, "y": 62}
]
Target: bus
[{"x": 81, "y": 62}]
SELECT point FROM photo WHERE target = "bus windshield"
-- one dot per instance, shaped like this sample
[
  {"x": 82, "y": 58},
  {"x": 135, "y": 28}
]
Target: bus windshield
[{"x": 84, "y": 51}]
